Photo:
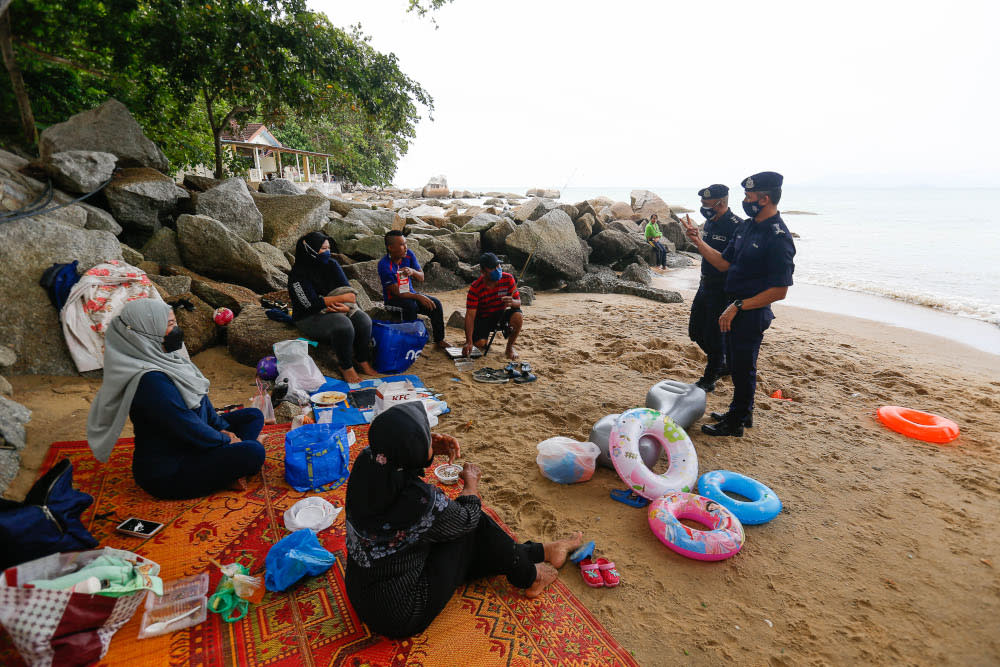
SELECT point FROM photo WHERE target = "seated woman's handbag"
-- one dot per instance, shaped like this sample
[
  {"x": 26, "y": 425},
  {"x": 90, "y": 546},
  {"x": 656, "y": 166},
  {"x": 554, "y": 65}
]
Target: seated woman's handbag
[
  {"x": 47, "y": 521},
  {"x": 316, "y": 457}
]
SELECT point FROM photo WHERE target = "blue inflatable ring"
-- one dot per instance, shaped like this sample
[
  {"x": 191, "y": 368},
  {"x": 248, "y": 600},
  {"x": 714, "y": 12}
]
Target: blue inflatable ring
[{"x": 763, "y": 505}]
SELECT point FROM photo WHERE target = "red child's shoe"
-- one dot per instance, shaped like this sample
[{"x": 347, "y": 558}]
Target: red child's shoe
[
  {"x": 591, "y": 573},
  {"x": 609, "y": 574}
]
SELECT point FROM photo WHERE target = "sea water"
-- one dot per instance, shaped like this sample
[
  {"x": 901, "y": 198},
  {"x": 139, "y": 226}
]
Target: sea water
[{"x": 930, "y": 247}]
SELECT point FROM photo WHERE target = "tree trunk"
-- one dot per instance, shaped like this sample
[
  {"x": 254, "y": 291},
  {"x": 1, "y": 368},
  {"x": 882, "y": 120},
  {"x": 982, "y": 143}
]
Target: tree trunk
[{"x": 16, "y": 80}]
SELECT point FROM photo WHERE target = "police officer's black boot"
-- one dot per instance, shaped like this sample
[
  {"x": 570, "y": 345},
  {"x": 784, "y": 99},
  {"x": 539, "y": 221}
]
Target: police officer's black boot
[
  {"x": 727, "y": 426},
  {"x": 719, "y": 416},
  {"x": 706, "y": 382}
]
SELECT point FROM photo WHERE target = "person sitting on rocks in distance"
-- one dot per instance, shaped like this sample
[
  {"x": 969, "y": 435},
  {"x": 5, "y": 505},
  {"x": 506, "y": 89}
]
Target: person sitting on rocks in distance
[
  {"x": 654, "y": 237},
  {"x": 397, "y": 271},
  {"x": 409, "y": 547},
  {"x": 493, "y": 301},
  {"x": 183, "y": 449},
  {"x": 324, "y": 306}
]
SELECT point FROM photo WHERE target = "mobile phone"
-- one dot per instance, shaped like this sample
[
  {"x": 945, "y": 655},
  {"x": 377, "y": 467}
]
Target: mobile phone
[{"x": 139, "y": 527}]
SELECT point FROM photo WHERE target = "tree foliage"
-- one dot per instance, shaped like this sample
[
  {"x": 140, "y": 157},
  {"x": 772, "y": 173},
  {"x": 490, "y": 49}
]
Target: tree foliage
[{"x": 187, "y": 69}]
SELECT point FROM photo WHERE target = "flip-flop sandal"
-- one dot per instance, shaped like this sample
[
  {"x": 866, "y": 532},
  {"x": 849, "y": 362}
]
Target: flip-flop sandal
[
  {"x": 490, "y": 376},
  {"x": 629, "y": 497},
  {"x": 511, "y": 371},
  {"x": 525, "y": 379},
  {"x": 583, "y": 551},
  {"x": 591, "y": 573},
  {"x": 525, "y": 367},
  {"x": 608, "y": 572}
]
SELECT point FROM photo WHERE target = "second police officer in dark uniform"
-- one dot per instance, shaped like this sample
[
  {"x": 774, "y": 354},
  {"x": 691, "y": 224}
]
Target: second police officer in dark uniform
[
  {"x": 703, "y": 326},
  {"x": 758, "y": 263}
]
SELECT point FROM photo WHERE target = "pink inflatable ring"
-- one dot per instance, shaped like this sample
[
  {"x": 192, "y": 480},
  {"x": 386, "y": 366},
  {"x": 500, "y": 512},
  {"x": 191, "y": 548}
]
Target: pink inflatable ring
[{"x": 724, "y": 539}]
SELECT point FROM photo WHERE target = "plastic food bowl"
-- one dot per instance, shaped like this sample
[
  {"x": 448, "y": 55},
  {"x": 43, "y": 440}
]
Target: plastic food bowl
[
  {"x": 329, "y": 398},
  {"x": 447, "y": 473}
]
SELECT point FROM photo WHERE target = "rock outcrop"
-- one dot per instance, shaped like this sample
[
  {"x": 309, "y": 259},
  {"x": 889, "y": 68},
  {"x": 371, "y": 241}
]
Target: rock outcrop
[
  {"x": 231, "y": 204},
  {"x": 280, "y": 186},
  {"x": 553, "y": 245},
  {"x": 286, "y": 218},
  {"x": 210, "y": 248},
  {"x": 80, "y": 171}
]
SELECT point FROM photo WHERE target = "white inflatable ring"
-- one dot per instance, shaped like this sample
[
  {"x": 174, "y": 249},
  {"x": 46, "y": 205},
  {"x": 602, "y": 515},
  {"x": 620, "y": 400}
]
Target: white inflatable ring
[{"x": 624, "y": 448}]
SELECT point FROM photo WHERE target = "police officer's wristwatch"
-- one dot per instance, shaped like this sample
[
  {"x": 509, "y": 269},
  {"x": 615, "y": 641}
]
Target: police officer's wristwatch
[{"x": 739, "y": 304}]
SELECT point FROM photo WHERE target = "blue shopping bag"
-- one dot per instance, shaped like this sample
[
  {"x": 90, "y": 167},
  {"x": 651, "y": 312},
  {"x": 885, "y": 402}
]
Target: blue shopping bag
[
  {"x": 397, "y": 344},
  {"x": 316, "y": 457}
]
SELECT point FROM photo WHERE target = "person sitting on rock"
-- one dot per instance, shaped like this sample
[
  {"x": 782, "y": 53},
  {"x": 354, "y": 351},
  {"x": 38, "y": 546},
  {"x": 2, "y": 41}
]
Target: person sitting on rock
[
  {"x": 493, "y": 302},
  {"x": 409, "y": 547},
  {"x": 654, "y": 237},
  {"x": 183, "y": 449},
  {"x": 330, "y": 319},
  {"x": 397, "y": 271}
]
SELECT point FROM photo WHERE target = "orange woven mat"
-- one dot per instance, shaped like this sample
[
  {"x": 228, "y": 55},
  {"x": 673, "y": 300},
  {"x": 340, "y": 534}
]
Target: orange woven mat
[{"x": 485, "y": 623}]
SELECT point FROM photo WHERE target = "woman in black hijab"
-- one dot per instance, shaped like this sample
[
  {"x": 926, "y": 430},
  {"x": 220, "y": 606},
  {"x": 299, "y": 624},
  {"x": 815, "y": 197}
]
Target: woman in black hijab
[
  {"x": 409, "y": 547},
  {"x": 334, "y": 320}
]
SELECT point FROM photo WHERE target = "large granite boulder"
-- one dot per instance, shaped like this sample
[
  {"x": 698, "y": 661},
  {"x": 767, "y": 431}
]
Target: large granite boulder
[
  {"x": 345, "y": 206},
  {"x": 481, "y": 222},
  {"x": 494, "y": 239},
  {"x": 546, "y": 193},
  {"x": 286, "y": 218},
  {"x": 583, "y": 208},
  {"x": 378, "y": 221},
  {"x": 439, "y": 279},
  {"x": 609, "y": 283},
  {"x": 280, "y": 186},
  {"x": 427, "y": 211},
  {"x": 80, "y": 171},
  {"x": 273, "y": 256},
  {"x": 437, "y": 186},
  {"x": 346, "y": 230},
  {"x": 552, "y": 243},
  {"x": 673, "y": 231},
  {"x": 162, "y": 247},
  {"x": 231, "y": 204},
  {"x": 13, "y": 417},
  {"x": 251, "y": 336},
  {"x": 142, "y": 200},
  {"x": 217, "y": 294},
  {"x": 366, "y": 273},
  {"x": 645, "y": 203},
  {"x": 466, "y": 246},
  {"x": 30, "y": 324},
  {"x": 533, "y": 209},
  {"x": 196, "y": 183},
  {"x": 638, "y": 273},
  {"x": 612, "y": 245},
  {"x": 172, "y": 285},
  {"x": 585, "y": 225},
  {"x": 109, "y": 128},
  {"x": 210, "y": 248},
  {"x": 98, "y": 218},
  {"x": 367, "y": 247},
  {"x": 627, "y": 226},
  {"x": 200, "y": 329}
]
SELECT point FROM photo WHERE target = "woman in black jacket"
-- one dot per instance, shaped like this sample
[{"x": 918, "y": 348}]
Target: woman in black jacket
[{"x": 334, "y": 320}]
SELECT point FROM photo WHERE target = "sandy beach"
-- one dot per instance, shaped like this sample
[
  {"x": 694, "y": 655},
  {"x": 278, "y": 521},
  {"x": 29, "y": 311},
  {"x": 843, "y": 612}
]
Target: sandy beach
[{"x": 887, "y": 549}]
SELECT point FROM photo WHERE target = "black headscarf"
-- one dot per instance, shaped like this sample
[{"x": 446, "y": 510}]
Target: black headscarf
[
  {"x": 324, "y": 278},
  {"x": 389, "y": 506}
]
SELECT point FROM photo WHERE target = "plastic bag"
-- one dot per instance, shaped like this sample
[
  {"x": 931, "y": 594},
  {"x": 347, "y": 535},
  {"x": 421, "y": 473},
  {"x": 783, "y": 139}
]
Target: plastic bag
[
  {"x": 296, "y": 367},
  {"x": 316, "y": 457},
  {"x": 312, "y": 512},
  {"x": 397, "y": 344},
  {"x": 567, "y": 461},
  {"x": 296, "y": 556},
  {"x": 262, "y": 401}
]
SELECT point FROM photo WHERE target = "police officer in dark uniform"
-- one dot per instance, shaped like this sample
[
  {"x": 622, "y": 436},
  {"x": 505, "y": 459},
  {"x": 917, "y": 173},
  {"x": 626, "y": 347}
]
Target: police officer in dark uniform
[
  {"x": 758, "y": 263},
  {"x": 703, "y": 326}
]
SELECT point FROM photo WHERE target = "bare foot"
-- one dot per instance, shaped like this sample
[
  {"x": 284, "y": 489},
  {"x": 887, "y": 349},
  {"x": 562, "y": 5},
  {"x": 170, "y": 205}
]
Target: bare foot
[
  {"x": 545, "y": 574},
  {"x": 240, "y": 484},
  {"x": 367, "y": 369},
  {"x": 512, "y": 353},
  {"x": 350, "y": 375},
  {"x": 442, "y": 344},
  {"x": 557, "y": 552}
]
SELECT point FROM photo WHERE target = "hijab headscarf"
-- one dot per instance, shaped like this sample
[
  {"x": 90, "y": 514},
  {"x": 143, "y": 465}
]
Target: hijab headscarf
[
  {"x": 133, "y": 346},
  {"x": 324, "y": 278},
  {"x": 389, "y": 506}
]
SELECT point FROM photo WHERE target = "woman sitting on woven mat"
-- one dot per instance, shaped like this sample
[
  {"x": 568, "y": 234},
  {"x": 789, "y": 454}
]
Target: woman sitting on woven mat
[
  {"x": 324, "y": 306},
  {"x": 409, "y": 547},
  {"x": 183, "y": 449}
]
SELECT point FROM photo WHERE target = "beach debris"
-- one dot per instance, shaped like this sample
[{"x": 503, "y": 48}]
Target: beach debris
[
  {"x": 777, "y": 393},
  {"x": 986, "y": 561},
  {"x": 769, "y": 623}
]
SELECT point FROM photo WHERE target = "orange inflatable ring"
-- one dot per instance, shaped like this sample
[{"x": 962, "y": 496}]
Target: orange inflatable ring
[{"x": 916, "y": 424}]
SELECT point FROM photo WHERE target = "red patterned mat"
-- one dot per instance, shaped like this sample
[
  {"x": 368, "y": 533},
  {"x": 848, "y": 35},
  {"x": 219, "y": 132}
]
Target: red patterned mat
[{"x": 486, "y": 623}]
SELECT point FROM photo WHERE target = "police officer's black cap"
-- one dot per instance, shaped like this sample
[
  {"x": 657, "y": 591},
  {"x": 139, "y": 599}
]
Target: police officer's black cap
[
  {"x": 765, "y": 180},
  {"x": 489, "y": 261},
  {"x": 717, "y": 191}
]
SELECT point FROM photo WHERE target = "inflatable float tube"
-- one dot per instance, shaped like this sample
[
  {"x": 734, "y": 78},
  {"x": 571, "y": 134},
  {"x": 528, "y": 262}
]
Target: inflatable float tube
[
  {"x": 685, "y": 403},
  {"x": 649, "y": 449},
  {"x": 633, "y": 425},
  {"x": 916, "y": 424},
  {"x": 724, "y": 539},
  {"x": 763, "y": 505}
]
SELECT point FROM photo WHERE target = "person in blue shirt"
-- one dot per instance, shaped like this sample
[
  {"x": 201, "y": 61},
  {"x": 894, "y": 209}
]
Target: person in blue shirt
[
  {"x": 183, "y": 449},
  {"x": 758, "y": 263},
  {"x": 324, "y": 307},
  {"x": 397, "y": 270},
  {"x": 709, "y": 302}
]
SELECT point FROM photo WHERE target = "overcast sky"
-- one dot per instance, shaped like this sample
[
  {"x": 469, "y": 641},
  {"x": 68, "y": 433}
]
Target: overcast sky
[{"x": 625, "y": 93}]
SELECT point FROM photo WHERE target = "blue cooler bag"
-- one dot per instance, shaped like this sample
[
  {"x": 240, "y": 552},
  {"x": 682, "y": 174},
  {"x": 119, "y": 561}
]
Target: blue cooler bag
[
  {"x": 397, "y": 344},
  {"x": 316, "y": 457}
]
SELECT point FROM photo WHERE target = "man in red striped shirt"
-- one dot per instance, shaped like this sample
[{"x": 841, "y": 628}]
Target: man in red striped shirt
[{"x": 493, "y": 301}]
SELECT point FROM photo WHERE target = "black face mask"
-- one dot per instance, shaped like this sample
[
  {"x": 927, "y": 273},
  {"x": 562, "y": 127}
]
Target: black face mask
[
  {"x": 709, "y": 213},
  {"x": 173, "y": 340}
]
